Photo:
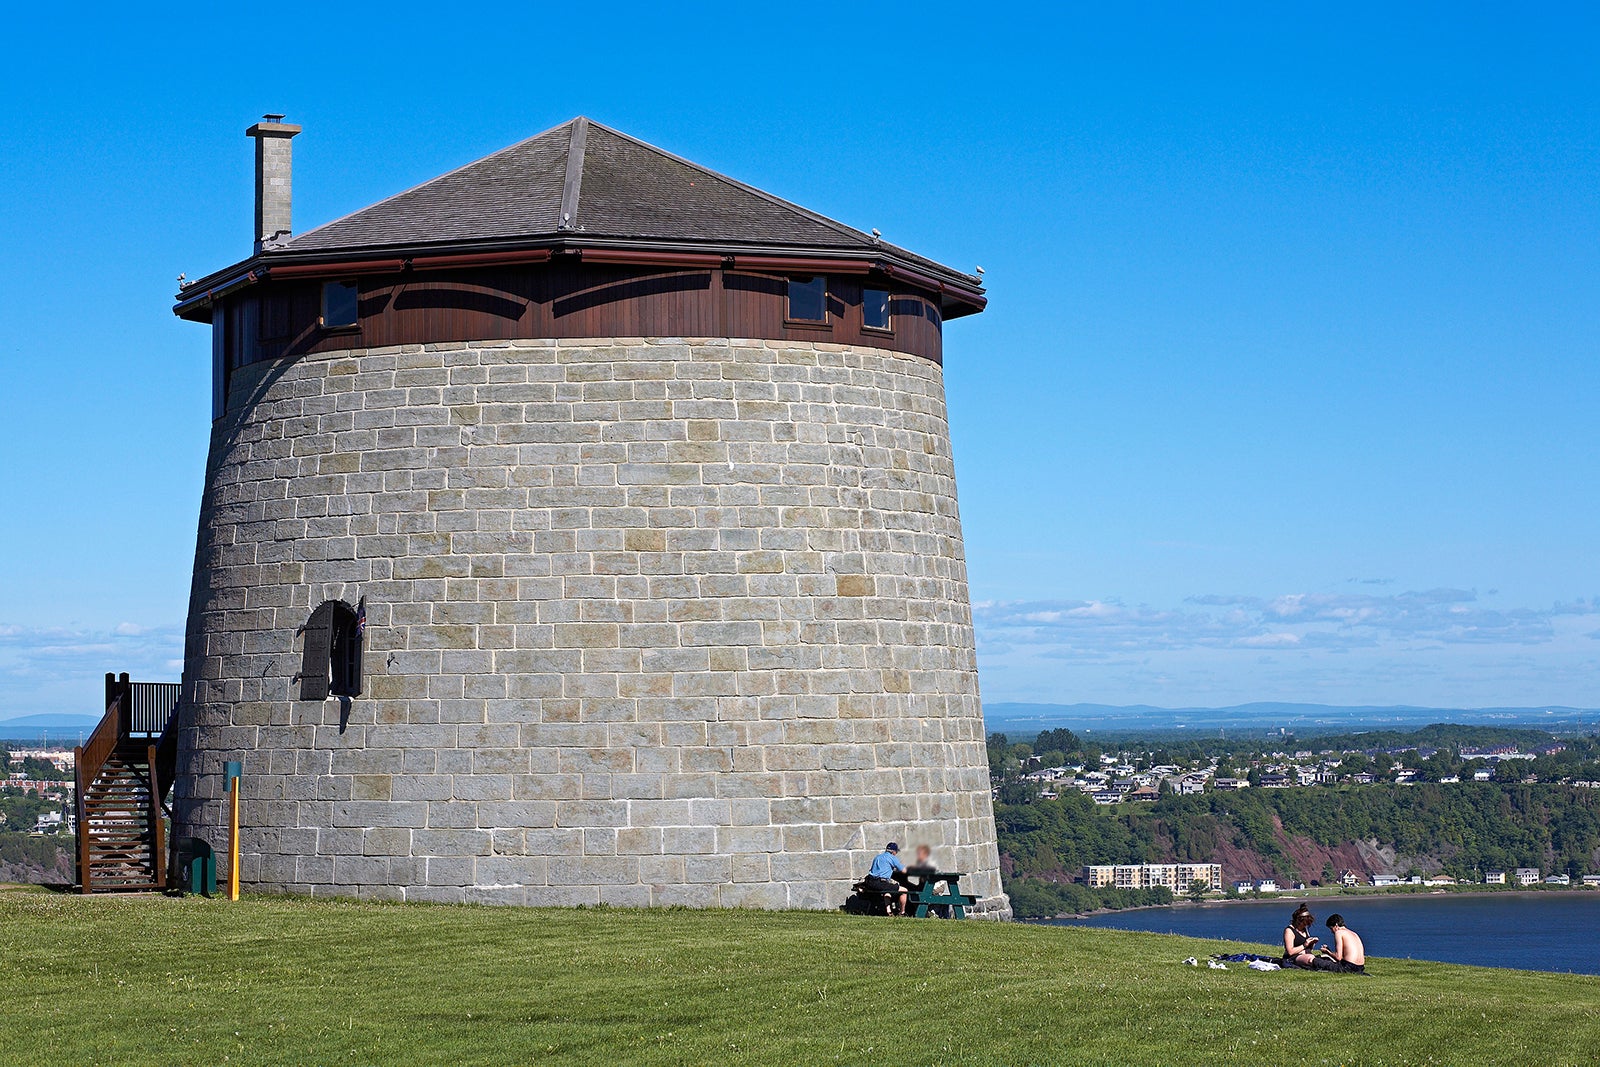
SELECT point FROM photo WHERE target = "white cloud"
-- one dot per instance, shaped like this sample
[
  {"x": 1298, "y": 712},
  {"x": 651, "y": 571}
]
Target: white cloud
[
  {"x": 63, "y": 668},
  {"x": 1418, "y": 646},
  {"x": 1450, "y": 616}
]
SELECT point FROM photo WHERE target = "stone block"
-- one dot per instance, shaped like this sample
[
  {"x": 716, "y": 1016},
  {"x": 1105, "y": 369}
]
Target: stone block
[
  {"x": 450, "y": 842},
  {"x": 594, "y": 870},
  {"x": 753, "y": 893}
]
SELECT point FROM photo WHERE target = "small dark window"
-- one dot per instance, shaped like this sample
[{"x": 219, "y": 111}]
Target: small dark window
[
  {"x": 331, "y": 660},
  {"x": 339, "y": 304},
  {"x": 875, "y": 309},
  {"x": 808, "y": 299}
]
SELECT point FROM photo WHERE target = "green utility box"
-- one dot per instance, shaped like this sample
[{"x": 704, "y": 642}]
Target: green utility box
[{"x": 196, "y": 866}]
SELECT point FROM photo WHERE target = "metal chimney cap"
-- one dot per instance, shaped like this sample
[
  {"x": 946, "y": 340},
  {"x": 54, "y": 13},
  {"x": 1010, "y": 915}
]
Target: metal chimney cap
[{"x": 272, "y": 126}]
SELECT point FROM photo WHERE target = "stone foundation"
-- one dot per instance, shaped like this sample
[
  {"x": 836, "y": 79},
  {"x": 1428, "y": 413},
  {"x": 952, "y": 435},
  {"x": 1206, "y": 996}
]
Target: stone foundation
[{"x": 649, "y": 622}]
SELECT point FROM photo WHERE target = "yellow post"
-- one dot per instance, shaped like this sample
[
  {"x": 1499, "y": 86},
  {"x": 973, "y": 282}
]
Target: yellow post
[{"x": 233, "y": 770}]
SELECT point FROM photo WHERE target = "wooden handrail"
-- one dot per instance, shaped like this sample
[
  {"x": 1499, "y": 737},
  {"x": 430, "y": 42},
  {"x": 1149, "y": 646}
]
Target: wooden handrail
[
  {"x": 103, "y": 741},
  {"x": 158, "y": 829},
  {"x": 81, "y": 827}
]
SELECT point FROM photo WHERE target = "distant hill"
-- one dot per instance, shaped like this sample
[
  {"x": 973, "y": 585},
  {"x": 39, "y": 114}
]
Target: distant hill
[
  {"x": 61, "y": 726},
  {"x": 1303, "y": 719}
]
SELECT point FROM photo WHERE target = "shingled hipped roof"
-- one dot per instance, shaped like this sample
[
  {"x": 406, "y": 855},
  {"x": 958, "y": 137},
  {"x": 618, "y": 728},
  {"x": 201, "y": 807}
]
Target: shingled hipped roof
[
  {"x": 581, "y": 178},
  {"x": 584, "y": 185}
]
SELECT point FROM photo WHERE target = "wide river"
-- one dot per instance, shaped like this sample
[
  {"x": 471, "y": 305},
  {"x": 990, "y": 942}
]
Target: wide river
[{"x": 1549, "y": 931}]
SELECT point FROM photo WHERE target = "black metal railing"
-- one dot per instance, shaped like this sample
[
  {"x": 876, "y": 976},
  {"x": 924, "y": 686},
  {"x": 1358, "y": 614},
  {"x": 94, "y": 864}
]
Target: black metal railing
[{"x": 150, "y": 707}]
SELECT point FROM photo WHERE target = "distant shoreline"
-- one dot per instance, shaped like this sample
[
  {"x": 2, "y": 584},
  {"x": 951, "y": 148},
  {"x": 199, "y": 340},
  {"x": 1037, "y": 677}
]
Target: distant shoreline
[{"x": 1324, "y": 893}]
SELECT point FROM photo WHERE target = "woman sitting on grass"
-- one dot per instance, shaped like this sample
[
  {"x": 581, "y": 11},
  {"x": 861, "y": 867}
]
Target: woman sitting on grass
[{"x": 1297, "y": 946}]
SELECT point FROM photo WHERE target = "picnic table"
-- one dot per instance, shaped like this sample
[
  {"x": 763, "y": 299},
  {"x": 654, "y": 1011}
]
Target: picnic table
[{"x": 922, "y": 895}]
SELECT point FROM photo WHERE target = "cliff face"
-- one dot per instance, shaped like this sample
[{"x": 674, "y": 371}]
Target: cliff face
[
  {"x": 1053, "y": 848},
  {"x": 36, "y": 861},
  {"x": 1306, "y": 860}
]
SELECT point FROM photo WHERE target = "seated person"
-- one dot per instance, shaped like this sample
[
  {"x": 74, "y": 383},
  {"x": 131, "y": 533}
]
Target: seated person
[
  {"x": 1348, "y": 954},
  {"x": 1297, "y": 946},
  {"x": 922, "y": 867},
  {"x": 881, "y": 878}
]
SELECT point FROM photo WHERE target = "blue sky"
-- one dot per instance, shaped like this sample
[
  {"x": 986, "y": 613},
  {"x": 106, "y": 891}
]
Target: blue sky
[{"x": 1287, "y": 389}]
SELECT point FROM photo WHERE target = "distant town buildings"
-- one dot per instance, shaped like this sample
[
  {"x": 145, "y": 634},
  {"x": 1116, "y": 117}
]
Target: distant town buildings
[
  {"x": 25, "y": 774},
  {"x": 1527, "y": 876},
  {"x": 1126, "y": 778}
]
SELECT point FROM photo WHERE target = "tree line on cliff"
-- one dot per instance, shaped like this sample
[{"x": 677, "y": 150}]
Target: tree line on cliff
[{"x": 1460, "y": 830}]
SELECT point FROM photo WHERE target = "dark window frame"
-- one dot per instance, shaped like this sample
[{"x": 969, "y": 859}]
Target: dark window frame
[
  {"x": 331, "y": 652},
  {"x": 322, "y": 319},
  {"x": 789, "y": 318},
  {"x": 888, "y": 310}
]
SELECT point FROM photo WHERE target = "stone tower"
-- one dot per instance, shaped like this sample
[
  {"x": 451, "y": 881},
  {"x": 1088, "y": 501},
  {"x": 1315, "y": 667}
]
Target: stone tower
[{"x": 580, "y": 526}]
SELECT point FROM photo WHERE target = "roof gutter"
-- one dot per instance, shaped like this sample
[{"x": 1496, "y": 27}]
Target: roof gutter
[
  {"x": 966, "y": 295},
  {"x": 400, "y": 263},
  {"x": 817, "y": 264},
  {"x": 644, "y": 257},
  {"x": 340, "y": 268},
  {"x": 189, "y": 302}
]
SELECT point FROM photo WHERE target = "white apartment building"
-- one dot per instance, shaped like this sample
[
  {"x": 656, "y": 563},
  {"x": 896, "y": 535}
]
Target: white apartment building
[
  {"x": 1177, "y": 877},
  {"x": 1100, "y": 876},
  {"x": 1527, "y": 876}
]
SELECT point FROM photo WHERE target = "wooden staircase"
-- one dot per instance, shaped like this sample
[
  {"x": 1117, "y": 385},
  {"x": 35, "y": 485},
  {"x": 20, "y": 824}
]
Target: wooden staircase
[{"x": 124, "y": 772}]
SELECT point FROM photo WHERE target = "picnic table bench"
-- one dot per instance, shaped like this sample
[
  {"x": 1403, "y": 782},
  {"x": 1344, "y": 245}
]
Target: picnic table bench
[
  {"x": 922, "y": 895},
  {"x": 920, "y": 885}
]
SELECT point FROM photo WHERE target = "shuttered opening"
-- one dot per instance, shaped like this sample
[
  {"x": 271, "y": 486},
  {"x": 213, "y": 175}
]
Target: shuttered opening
[{"x": 331, "y": 657}]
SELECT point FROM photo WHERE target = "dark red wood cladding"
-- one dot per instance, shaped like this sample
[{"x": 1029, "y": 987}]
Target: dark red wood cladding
[{"x": 566, "y": 300}]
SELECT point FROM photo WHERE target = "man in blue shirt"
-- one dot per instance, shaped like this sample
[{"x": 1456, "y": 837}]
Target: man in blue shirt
[{"x": 880, "y": 879}]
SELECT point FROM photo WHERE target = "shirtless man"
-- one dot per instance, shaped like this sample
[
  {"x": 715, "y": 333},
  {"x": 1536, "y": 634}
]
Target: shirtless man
[{"x": 1348, "y": 954}]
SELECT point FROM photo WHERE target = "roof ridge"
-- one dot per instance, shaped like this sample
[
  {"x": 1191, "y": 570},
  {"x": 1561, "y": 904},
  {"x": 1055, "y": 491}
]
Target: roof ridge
[
  {"x": 849, "y": 231},
  {"x": 572, "y": 186},
  {"x": 436, "y": 178}
]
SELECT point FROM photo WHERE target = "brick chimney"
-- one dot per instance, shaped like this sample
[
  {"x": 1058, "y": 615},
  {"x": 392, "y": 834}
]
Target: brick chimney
[{"x": 273, "y": 166}]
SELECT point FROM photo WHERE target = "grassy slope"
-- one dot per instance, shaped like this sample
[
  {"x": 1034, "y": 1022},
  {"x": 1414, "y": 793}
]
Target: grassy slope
[{"x": 293, "y": 981}]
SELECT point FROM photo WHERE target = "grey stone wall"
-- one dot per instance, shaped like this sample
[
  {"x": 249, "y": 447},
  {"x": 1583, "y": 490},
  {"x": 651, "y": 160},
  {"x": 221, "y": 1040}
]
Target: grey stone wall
[{"x": 650, "y": 622}]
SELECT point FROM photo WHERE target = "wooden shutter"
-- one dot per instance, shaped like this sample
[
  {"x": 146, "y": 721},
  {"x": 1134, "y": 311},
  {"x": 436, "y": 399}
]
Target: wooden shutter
[
  {"x": 352, "y": 675},
  {"x": 318, "y": 646},
  {"x": 345, "y": 654}
]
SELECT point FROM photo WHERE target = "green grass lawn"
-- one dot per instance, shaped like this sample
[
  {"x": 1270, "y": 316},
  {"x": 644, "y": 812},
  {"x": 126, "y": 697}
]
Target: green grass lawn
[{"x": 149, "y": 980}]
